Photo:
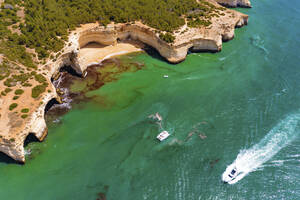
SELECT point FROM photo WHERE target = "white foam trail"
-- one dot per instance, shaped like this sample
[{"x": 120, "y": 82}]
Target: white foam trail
[
  {"x": 259, "y": 43},
  {"x": 294, "y": 156},
  {"x": 251, "y": 159}
]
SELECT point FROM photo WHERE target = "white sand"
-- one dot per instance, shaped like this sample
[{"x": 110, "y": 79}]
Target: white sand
[{"x": 95, "y": 53}]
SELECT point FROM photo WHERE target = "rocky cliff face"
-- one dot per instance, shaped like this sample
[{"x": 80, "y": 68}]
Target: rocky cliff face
[
  {"x": 194, "y": 39},
  {"x": 235, "y": 3},
  {"x": 208, "y": 38}
]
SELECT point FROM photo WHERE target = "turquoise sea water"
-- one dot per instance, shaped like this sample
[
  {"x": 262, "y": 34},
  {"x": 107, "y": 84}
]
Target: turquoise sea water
[{"x": 243, "y": 99}]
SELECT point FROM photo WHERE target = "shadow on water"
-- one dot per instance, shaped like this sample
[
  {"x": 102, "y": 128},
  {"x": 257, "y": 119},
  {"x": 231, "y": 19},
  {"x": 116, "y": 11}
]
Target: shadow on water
[
  {"x": 49, "y": 105},
  {"x": 70, "y": 70},
  {"x": 193, "y": 50},
  {"x": 8, "y": 160},
  {"x": 30, "y": 138},
  {"x": 156, "y": 55}
]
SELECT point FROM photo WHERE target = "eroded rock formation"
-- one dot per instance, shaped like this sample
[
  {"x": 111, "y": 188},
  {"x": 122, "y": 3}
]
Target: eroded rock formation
[
  {"x": 195, "y": 39},
  {"x": 208, "y": 38},
  {"x": 235, "y": 3}
]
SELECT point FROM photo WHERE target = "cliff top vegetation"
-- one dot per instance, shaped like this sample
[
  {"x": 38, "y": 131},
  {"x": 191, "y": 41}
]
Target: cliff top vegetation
[
  {"x": 44, "y": 25},
  {"x": 32, "y": 30}
]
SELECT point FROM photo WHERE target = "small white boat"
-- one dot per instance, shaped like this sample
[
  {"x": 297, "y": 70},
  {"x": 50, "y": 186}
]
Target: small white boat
[
  {"x": 163, "y": 135},
  {"x": 232, "y": 174},
  {"x": 166, "y": 76}
]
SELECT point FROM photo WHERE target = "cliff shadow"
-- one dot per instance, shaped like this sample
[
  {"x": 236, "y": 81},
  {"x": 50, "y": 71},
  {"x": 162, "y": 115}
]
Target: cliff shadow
[
  {"x": 7, "y": 160},
  {"x": 192, "y": 50},
  {"x": 151, "y": 51},
  {"x": 70, "y": 70},
  {"x": 49, "y": 105},
  {"x": 154, "y": 53},
  {"x": 93, "y": 45},
  {"x": 30, "y": 138}
]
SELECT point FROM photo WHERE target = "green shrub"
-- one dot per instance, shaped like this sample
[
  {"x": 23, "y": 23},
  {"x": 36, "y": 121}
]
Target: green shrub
[
  {"x": 40, "y": 78},
  {"x": 19, "y": 91},
  {"x": 37, "y": 90},
  {"x": 13, "y": 106},
  {"x": 21, "y": 77},
  {"x": 9, "y": 82},
  {"x": 169, "y": 38},
  {"x": 15, "y": 97},
  {"x": 2, "y": 77},
  {"x": 27, "y": 85},
  {"x": 48, "y": 23},
  {"x": 7, "y": 90},
  {"x": 198, "y": 22},
  {"x": 24, "y": 116},
  {"x": 25, "y": 110}
]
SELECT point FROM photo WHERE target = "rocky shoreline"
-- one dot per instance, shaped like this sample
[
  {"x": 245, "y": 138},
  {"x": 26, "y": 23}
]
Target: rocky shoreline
[
  {"x": 72, "y": 88},
  {"x": 186, "y": 39},
  {"x": 235, "y": 3}
]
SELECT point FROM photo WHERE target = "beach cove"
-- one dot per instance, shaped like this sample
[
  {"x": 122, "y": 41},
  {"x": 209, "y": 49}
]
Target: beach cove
[
  {"x": 109, "y": 148},
  {"x": 104, "y": 147},
  {"x": 217, "y": 24}
]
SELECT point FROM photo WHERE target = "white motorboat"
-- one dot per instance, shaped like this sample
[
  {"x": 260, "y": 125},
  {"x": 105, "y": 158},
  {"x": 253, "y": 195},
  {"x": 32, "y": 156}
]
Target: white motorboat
[
  {"x": 163, "y": 135},
  {"x": 232, "y": 174}
]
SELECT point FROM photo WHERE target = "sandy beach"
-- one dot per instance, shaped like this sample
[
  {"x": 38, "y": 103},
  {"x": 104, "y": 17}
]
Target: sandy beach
[{"x": 95, "y": 53}]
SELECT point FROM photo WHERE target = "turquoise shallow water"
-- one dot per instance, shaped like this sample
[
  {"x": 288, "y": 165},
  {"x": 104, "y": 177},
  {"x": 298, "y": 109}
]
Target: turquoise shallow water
[{"x": 235, "y": 98}]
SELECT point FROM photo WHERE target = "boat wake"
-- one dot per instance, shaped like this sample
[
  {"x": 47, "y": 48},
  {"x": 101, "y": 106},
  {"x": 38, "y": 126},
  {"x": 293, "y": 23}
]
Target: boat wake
[
  {"x": 258, "y": 42},
  {"x": 249, "y": 160}
]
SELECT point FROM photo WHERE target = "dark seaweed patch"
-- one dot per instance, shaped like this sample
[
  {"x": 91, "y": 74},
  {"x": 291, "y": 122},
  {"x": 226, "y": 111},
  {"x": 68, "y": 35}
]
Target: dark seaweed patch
[{"x": 97, "y": 76}]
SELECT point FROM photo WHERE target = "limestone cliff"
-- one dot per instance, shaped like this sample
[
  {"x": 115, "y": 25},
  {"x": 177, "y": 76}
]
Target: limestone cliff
[
  {"x": 13, "y": 130},
  {"x": 235, "y": 3},
  {"x": 194, "y": 39}
]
